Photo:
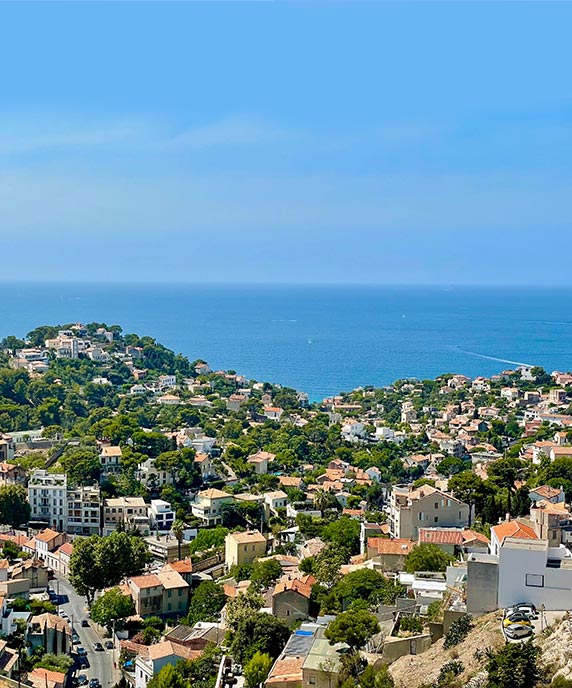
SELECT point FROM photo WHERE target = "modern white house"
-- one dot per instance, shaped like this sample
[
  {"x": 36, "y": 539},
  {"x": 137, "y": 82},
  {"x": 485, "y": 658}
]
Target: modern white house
[
  {"x": 161, "y": 515},
  {"x": 531, "y": 571}
]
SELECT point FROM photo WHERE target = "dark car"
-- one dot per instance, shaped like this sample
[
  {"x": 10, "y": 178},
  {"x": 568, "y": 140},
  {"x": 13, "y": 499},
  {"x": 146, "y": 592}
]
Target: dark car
[
  {"x": 82, "y": 680},
  {"x": 109, "y": 644},
  {"x": 84, "y": 623},
  {"x": 81, "y": 652},
  {"x": 94, "y": 683},
  {"x": 98, "y": 647}
]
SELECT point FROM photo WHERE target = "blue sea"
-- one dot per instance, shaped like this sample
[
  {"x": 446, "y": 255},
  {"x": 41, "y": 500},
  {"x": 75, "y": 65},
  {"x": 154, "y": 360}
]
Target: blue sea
[{"x": 320, "y": 339}]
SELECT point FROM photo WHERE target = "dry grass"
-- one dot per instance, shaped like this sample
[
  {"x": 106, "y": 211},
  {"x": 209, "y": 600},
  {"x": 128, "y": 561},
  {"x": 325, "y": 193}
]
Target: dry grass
[{"x": 415, "y": 671}]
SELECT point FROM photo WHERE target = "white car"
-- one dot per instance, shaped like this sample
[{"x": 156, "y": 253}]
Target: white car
[
  {"x": 517, "y": 631},
  {"x": 528, "y": 610}
]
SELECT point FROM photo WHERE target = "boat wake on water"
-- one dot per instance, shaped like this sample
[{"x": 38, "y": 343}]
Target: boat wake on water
[{"x": 489, "y": 358}]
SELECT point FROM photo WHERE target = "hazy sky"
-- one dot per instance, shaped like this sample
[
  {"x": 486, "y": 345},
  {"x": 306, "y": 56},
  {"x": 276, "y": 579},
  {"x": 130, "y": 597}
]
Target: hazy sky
[{"x": 295, "y": 142}]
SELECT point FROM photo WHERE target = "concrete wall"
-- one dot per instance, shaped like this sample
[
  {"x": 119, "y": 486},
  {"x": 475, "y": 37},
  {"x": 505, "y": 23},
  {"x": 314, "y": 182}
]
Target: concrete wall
[
  {"x": 394, "y": 648},
  {"x": 482, "y": 587}
]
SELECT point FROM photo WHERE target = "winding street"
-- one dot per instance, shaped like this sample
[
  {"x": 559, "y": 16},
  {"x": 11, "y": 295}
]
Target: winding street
[{"x": 100, "y": 662}]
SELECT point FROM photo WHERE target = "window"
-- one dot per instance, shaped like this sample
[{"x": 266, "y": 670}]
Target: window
[
  {"x": 312, "y": 680},
  {"x": 436, "y": 519},
  {"x": 436, "y": 505},
  {"x": 534, "y": 580}
]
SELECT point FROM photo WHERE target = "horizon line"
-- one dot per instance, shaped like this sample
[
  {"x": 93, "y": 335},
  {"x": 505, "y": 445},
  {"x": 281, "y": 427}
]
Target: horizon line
[{"x": 192, "y": 283}]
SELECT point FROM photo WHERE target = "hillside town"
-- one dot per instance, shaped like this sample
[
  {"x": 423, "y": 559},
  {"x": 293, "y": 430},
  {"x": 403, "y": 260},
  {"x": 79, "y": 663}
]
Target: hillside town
[{"x": 166, "y": 525}]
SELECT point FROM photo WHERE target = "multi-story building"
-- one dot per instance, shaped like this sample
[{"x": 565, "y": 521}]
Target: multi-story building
[
  {"x": 208, "y": 505},
  {"x": 11, "y": 474},
  {"x": 147, "y": 594},
  {"x": 551, "y": 522},
  {"x": 244, "y": 548},
  {"x": 84, "y": 510},
  {"x": 47, "y": 494},
  {"x": 411, "y": 509},
  {"x": 152, "y": 477},
  {"x": 130, "y": 512},
  {"x": 161, "y": 515},
  {"x": 109, "y": 461},
  {"x": 7, "y": 447}
]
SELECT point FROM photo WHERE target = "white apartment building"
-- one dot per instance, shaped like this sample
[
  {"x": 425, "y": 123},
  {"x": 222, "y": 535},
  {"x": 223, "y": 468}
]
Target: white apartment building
[
  {"x": 84, "y": 510},
  {"x": 161, "y": 515},
  {"x": 47, "y": 494}
]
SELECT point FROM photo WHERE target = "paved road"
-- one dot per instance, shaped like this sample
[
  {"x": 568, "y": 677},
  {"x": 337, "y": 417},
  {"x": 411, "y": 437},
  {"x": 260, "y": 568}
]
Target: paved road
[{"x": 100, "y": 663}]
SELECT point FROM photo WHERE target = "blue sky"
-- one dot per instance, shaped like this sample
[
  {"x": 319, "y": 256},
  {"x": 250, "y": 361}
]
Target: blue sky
[{"x": 286, "y": 142}]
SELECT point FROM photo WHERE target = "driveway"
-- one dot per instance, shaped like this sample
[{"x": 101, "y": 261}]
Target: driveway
[{"x": 100, "y": 663}]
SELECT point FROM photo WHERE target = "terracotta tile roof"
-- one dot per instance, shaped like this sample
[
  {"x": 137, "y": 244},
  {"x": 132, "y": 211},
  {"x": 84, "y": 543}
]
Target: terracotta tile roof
[
  {"x": 172, "y": 580},
  {"x": 546, "y": 491},
  {"x": 247, "y": 537},
  {"x": 441, "y": 536},
  {"x": 66, "y": 548},
  {"x": 302, "y": 586},
  {"x": 167, "y": 648},
  {"x": 231, "y": 590},
  {"x": 51, "y": 621},
  {"x": 290, "y": 481},
  {"x": 286, "y": 669},
  {"x": 148, "y": 581},
  {"x": 213, "y": 493},
  {"x": 43, "y": 678},
  {"x": 472, "y": 536},
  {"x": 181, "y": 566},
  {"x": 111, "y": 451},
  {"x": 513, "y": 529},
  {"x": 47, "y": 535},
  {"x": 397, "y": 546},
  {"x": 549, "y": 507}
]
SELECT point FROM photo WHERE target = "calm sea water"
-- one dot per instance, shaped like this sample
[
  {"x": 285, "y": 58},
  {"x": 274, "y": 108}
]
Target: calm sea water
[{"x": 320, "y": 339}]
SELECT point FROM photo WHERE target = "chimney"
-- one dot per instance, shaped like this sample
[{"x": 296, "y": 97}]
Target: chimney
[{"x": 507, "y": 517}]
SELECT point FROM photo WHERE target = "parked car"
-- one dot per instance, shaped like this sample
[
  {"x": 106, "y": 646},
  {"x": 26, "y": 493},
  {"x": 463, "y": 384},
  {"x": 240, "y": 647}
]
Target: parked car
[
  {"x": 517, "y": 631},
  {"x": 81, "y": 651},
  {"x": 526, "y": 609},
  {"x": 109, "y": 644},
  {"x": 517, "y": 619},
  {"x": 63, "y": 615},
  {"x": 82, "y": 680},
  {"x": 94, "y": 683},
  {"x": 84, "y": 623},
  {"x": 98, "y": 647}
]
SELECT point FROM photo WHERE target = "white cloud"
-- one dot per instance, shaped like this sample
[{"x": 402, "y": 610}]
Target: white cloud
[{"x": 237, "y": 131}]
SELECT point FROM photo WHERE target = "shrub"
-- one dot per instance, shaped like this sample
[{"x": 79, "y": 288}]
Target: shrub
[
  {"x": 413, "y": 624},
  {"x": 458, "y": 631},
  {"x": 448, "y": 672}
]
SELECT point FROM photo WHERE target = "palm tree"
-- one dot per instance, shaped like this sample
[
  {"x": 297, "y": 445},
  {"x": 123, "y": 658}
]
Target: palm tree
[
  {"x": 321, "y": 500},
  {"x": 178, "y": 529}
]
